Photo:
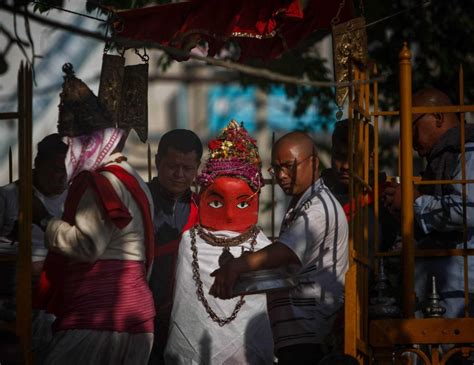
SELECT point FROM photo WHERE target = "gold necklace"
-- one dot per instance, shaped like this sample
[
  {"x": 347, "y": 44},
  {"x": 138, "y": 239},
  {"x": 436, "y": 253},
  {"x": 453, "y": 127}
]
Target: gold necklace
[
  {"x": 227, "y": 242},
  {"x": 197, "y": 276}
]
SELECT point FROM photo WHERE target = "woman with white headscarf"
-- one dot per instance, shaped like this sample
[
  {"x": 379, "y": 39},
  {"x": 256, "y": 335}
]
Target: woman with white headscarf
[{"x": 94, "y": 279}]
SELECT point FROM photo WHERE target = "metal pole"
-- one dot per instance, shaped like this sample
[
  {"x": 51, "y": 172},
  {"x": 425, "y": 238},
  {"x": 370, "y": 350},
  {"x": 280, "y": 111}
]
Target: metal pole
[
  {"x": 10, "y": 165},
  {"x": 376, "y": 165},
  {"x": 273, "y": 196},
  {"x": 406, "y": 151},
  {"x": 24, "y": 269},
  {"x": 149, "y": 162},
  {"x": 464, "y": 192}
]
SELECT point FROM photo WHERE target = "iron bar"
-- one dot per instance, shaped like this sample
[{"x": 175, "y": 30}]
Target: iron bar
[
  {"x": 8, "y": 116},
  {"x": 24, "y": 266},
  {"x": 443, "y": 182},
  {"x": 443, "y": 109},
  {"x": 10, "y": 165},
  {"x": 381, "y": 113},
  {"x": 463, "y": 192},
  {"x": 376, "y": 163},
  {"x": 149, "y": 162},
  {"x": 272, "y": 182}
]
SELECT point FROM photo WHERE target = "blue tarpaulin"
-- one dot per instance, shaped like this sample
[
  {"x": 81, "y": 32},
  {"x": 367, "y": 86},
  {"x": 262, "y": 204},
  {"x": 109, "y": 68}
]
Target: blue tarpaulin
[{"x": 236, "y": 102}]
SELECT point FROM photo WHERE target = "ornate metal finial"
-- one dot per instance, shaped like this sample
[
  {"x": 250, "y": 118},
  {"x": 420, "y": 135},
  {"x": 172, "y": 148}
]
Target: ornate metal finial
[
  {"x": 405, "y": 54},
  {"x": 433, "y": 308},
  {"x": 382, "y": 279},
  {"x": 382, "y": 305},
  {"x": 68, "y": 69}
]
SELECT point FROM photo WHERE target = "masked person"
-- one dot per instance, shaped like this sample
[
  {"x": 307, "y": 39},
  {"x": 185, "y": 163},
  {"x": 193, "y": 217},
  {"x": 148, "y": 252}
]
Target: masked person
[
  {"x": 94, "y": 278},
  {"x": 204, "y": 329}
]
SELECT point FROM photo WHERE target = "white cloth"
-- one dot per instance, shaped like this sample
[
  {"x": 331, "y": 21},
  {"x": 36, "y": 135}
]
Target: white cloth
[
  {"x": 194, "y": 338},
  {"x": 9, "y": 210},
  {"x": 99, "y": 348},
  {"x": 316, "y": 231},
  {"x": 94, "y": 236},
  {"x": 90, "y": 151}
]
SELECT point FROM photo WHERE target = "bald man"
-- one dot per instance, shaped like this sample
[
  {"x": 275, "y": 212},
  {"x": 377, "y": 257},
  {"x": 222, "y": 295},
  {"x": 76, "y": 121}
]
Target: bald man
[
  {"x": 312, "y": 244},
  {"x": 439, "y": 208}
]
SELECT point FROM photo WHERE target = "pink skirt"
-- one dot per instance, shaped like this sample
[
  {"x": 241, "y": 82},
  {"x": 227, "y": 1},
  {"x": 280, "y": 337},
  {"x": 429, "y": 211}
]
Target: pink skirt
[{"x": 109, "y": 295}]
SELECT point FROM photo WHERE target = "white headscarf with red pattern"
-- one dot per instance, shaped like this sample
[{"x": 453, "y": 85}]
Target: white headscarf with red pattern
[{"x": 88, "y": 152}]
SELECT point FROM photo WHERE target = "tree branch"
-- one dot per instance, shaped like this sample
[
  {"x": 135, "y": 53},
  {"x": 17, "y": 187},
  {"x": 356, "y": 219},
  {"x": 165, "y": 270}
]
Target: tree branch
[{"x": 131, "y": 43}]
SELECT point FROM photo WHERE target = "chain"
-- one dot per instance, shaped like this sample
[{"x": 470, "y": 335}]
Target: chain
[
  {"x": 213, "y": 240},
  {"x": 336, "y": 18},
  {"x": 107, "y": 44},
  {"x": 200, "y": 292},
  {"x": 145, "y": 58}
]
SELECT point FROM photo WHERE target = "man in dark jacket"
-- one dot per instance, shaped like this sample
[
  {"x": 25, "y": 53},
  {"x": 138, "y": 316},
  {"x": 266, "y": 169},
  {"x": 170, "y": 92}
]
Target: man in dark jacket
[{"x": 177, "y": 162}]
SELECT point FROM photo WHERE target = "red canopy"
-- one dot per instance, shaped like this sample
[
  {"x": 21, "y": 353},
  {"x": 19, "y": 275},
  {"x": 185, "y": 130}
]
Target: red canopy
[{"x": 263, "y": 29}]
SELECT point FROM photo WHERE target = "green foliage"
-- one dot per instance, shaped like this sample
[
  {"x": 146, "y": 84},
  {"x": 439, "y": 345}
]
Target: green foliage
[
  {"x": 302, "y": 62},
  {"x": 439, "y": 36},
  {"x": 440, "y": 39},
  {"x": 45, "y": 5}
]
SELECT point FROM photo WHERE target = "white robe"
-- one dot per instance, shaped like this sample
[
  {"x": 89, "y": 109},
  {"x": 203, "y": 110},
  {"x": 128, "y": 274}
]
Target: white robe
[
  {"x": 94, "y": 237},
  {"x": 194, "y": 338}
]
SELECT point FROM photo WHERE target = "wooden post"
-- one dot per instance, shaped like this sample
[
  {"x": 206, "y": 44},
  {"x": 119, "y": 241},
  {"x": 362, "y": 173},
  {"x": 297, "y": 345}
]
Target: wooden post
[
  {"x": 10, "y": 165},
  {"x": 149, "y": 163},
  {"x": 273, "y": 196},
  {"x": 376, "y": 164},
  {"x": 24, "y": 269},
  {"x": 407, "y": 182}
]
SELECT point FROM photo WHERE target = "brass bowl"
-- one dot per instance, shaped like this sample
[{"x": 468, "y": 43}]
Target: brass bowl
[{"x": 264, "y": 281}]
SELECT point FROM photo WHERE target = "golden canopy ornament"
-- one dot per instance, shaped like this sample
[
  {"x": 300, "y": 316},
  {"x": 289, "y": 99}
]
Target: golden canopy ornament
[{"x": 349, "y": 41}]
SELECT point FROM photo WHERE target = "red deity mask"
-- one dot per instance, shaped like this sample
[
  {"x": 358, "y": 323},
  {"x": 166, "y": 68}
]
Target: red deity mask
[{"x": 228, "y": 204}]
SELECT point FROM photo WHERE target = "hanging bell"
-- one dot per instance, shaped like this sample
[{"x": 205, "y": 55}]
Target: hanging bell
[
  {"x": 134, "y": 105},
  {"x": 110, "y": 87}
]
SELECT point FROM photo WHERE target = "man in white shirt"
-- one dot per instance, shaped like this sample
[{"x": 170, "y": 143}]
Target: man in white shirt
[{"x": 313, "y": 244}]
